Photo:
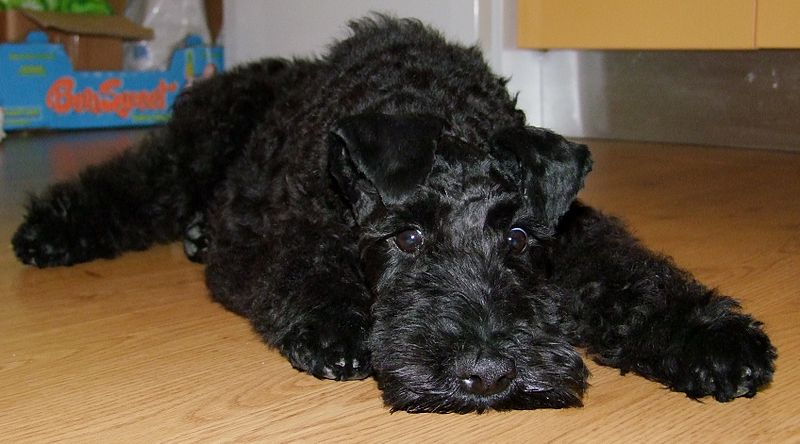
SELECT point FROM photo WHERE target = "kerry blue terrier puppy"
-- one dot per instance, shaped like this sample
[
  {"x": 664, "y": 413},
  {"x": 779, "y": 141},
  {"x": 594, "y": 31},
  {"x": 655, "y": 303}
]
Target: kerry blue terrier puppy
[{"x": 384, "y": 210}]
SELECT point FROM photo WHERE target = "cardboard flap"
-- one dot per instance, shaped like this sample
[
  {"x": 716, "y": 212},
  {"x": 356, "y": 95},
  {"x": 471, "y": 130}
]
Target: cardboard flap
[{"x": 109, "y": 26}]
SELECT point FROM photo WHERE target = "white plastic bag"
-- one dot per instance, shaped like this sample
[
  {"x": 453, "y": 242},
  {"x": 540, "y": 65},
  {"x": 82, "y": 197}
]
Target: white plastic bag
[
  {"x": 2, "y": 133},
  {"x": 172, "y": 21}
]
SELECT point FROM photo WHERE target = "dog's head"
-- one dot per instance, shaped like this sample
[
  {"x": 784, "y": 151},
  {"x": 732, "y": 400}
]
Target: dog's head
[{"x": 454, "y": 244}]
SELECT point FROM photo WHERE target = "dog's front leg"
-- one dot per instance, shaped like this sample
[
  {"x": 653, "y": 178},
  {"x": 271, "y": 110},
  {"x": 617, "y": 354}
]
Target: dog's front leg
[
  {"x": 301, "y": 289},
  {"x": 635, "y": 310}
]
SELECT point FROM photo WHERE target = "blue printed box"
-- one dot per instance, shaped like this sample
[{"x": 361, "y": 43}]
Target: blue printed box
[{"x": 40, "y": 89}]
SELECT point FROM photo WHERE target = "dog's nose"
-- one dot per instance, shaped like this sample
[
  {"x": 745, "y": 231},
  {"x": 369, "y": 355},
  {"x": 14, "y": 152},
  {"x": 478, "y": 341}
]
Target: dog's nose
[{"x": 488, "y": 376}]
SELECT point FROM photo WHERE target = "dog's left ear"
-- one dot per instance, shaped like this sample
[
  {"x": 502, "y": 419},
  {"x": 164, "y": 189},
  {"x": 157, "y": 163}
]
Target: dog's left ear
[
  {"x": 378, "y": 159},
  {"x": 550, "y": 168}
]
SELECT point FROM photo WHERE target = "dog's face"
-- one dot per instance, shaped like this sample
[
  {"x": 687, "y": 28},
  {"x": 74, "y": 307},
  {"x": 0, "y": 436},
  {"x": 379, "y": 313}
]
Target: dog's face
[{"x": 454, "y": 244}]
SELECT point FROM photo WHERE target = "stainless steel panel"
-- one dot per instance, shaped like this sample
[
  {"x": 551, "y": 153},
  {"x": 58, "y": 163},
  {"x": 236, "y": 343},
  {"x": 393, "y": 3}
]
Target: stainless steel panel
[{"x": 728, "y": 98}]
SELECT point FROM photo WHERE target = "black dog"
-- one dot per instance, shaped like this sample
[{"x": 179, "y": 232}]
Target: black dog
[{"x": 385, "y": 211}]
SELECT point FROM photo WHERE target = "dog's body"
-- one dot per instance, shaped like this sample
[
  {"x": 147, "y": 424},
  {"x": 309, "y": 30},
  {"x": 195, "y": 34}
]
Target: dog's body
[{"x": 385, "y": 211}]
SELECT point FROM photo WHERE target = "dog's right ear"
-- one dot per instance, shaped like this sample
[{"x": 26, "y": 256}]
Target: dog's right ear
[{"x": 379, "y": 159}]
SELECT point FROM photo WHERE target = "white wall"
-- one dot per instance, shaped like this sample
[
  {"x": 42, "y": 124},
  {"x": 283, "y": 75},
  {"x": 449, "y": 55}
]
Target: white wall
[
  {"x": 258, "y": 28},
  {"x": 283, "y": 28}
]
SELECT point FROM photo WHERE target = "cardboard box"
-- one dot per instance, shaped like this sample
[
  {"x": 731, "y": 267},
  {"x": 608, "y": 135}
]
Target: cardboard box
[
  {"x": 41, "y": 89},
  {"x": 14, "y": 26},
  {"x": 92, "y": 42}
]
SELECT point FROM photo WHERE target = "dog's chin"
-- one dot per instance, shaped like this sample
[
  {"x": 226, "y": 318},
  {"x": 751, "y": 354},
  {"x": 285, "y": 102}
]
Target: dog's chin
[{"x": 401, "y": 398}]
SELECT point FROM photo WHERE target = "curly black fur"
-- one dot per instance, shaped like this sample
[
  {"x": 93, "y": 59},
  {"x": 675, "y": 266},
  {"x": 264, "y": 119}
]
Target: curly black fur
[{"x": 385, "y": 211}]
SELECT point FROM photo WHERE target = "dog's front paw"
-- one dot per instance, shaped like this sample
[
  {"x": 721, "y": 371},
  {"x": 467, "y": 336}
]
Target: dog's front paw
[
  {"x": 44, "y": 245},
  {"x": 730, "y": 358},
  {"x": 329, "y": 349}
]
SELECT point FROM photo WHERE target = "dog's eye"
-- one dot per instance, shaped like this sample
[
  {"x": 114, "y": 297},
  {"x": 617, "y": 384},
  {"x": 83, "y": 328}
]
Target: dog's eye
[
  {"x": 409, "y": 240},
  {"x": 517, "y": 240}
]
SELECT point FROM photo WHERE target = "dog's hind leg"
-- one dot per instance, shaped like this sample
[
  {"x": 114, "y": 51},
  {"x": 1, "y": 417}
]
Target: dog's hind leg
[
  {"x": 636, "y": 310},
  {"x": 195, "y": 238}
]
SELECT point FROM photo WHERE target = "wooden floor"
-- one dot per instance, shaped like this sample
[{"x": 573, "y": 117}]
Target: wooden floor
[{"x": 133, "y": 350}]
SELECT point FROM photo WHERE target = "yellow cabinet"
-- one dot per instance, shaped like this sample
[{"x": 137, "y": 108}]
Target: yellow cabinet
[
  {"x": 778, "y": 24},
  {"x": 658, "y": 24}
]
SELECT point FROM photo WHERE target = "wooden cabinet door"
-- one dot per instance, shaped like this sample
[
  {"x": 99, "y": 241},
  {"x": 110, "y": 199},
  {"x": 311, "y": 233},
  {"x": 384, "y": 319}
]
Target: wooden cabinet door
[
  {"x": 638, "y": 24},
  {"x": 778, "y": 24}
]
